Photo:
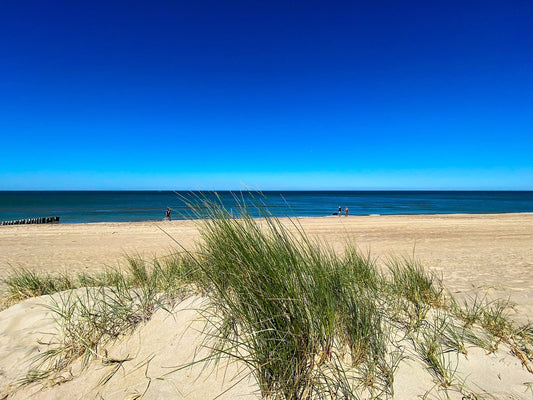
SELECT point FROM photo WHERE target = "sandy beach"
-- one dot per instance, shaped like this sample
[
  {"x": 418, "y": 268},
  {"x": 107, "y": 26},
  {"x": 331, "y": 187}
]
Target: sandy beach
[
  {"x": 487, "y": 254},
  {"x": 491, "y": 252}
]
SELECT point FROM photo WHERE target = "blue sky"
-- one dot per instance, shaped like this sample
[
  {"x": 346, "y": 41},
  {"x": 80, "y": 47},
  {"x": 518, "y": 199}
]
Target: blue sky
[{"x": 266, "y": 95}]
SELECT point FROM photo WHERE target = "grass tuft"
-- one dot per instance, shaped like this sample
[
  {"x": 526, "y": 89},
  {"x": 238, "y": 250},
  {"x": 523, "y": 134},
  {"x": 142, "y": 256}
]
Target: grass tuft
[{"x": 24, "y": 283}]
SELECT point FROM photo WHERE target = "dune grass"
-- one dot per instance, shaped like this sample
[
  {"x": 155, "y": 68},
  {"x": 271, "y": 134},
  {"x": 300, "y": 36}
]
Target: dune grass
[
  {"x": 24, "y": 283},
  {"x": 164, "y": 275},
  {"x": 285, "y": 304},
  {"x": 308, "y": 322},
  {"x": 99, "y": 308}
]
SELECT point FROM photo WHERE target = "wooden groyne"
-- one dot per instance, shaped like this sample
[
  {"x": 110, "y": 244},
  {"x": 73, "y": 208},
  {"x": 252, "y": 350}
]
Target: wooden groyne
[{"x": 43, "y": 220}]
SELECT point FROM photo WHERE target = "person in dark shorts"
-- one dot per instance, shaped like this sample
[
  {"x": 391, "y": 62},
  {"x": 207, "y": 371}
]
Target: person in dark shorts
[
  {"x": 346, "y": 212},
  {"x": 167, "y": 214}
]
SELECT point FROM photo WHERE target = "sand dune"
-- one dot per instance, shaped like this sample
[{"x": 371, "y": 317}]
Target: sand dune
[
  {"x": 485, "y": 253},
  {"x": 155, "y": 350}
]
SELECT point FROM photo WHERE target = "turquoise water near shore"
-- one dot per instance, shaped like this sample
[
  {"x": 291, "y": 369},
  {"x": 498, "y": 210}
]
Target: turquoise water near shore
[{"x": 117, "y": 206}]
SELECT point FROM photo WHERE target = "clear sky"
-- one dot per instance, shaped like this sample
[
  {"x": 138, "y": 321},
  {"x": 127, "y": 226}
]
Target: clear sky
[{"x": 266, "y": 95}]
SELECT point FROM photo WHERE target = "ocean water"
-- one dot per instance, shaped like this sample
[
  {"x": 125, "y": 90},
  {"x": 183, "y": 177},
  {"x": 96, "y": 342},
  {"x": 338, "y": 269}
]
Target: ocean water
[{"x": 114, "y": 206}]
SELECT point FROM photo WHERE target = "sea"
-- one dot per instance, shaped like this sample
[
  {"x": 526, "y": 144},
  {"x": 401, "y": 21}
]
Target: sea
[{"x": 126, "y": 206}]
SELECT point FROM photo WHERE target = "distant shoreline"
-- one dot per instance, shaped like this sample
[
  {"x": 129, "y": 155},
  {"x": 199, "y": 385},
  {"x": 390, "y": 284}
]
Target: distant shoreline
[
  {"x": 291, "y": 217},
  {"x": 130, "y": 206}
]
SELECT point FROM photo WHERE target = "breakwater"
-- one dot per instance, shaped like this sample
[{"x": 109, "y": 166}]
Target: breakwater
[{"x": 27, "y": 221}]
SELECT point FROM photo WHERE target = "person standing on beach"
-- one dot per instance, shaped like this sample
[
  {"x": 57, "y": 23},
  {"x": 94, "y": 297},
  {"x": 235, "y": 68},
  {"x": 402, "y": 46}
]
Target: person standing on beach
[
  {"x": 340, "y": 211},
  {"x": 167, "y": 215},
  {"x": 346, "y": 212}
]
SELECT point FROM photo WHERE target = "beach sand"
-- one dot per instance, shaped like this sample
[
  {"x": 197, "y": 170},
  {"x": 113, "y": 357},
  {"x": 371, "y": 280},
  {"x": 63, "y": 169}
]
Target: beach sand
[
  {"x": 485, "y": 254},
  {"x": 491, "y": 252}
]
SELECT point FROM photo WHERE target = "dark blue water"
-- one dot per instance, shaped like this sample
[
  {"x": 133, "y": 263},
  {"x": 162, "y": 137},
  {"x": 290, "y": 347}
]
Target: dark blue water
[{"x": 106, "y": 206}]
